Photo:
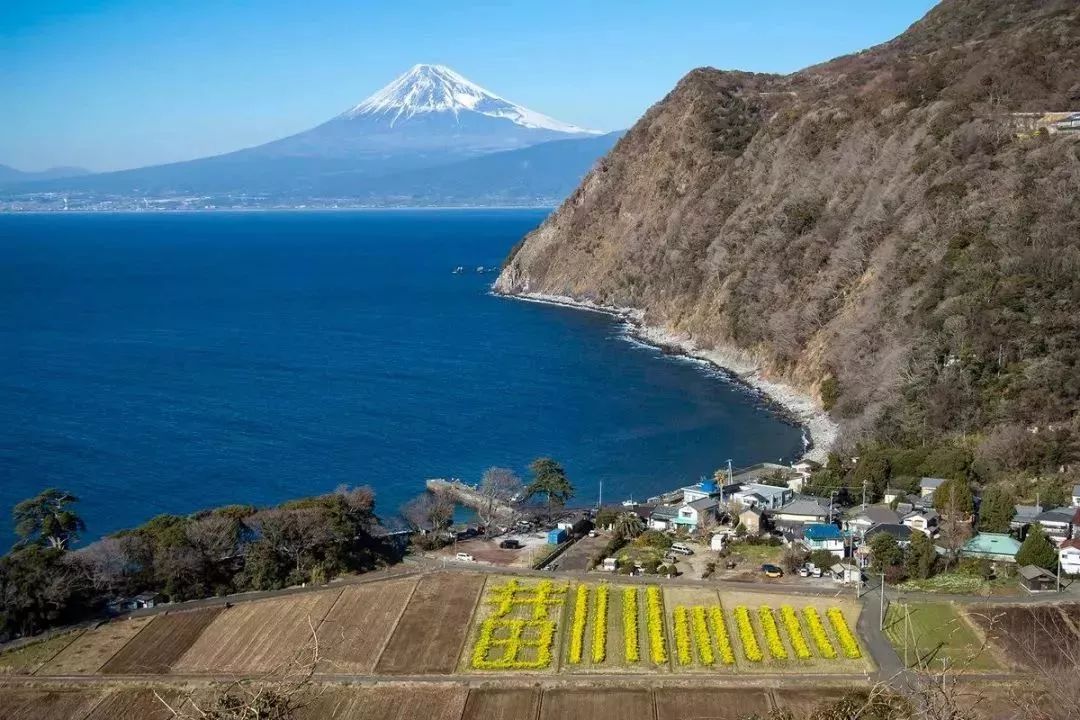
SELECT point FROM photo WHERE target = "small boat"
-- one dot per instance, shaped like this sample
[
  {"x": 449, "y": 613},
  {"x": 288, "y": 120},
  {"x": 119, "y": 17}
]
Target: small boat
[
  {"x": 459, "y": 269},
  {"x": 480, "y": 268}
]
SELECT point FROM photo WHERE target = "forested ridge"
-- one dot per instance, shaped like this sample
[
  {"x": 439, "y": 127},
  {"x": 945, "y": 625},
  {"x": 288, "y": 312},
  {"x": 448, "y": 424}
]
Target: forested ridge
[{"x": 887, "y": 231}]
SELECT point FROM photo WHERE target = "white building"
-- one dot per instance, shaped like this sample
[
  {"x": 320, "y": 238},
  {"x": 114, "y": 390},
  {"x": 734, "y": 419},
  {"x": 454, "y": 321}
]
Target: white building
[
  {"x": 764, "y": 497},
  {"x": 928, "y": 485},
  {"x": 925, "y": 521},
  {"x": 1069, "y": 557},
  {"x": 1076, "y": 496}
]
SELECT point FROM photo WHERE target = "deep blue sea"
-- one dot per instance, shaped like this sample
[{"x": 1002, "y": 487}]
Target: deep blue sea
[{"x": 161, "y": 363}]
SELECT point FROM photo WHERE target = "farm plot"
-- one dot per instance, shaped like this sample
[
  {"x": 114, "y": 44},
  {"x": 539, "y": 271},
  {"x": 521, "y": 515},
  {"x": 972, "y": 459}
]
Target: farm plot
[
  {"x": 39, "y": 704},
  {"x": 259, "y": 636},
  {"x": 700, "y": 635},
  {"x": 141, "y": 704},
  {"x": 27, "y": 659},
  {"x": 93, "y": 648},
  {"x": 161, "y": 643},
  {"x": 625, "y": 704},
  {"x": 502, "y": 704},
  {"x": 359, "y": 625},
  {"x": 937, "y": 634},
  {"x": 713, "y": 703},
  {"x": 1037, "y": 636},
  {"x": 517, "y": 625},
  {"x": 430, "y": 702},
  {"x": 432, "y": 630}
]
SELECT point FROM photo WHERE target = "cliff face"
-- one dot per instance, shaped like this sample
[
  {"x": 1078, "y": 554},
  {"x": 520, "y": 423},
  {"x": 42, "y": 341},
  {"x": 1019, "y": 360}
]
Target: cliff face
[{"x": 882, "y": 230}]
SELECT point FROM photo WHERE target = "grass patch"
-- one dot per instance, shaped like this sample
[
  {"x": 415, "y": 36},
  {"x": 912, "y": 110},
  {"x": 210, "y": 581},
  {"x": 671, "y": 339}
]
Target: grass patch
[
  {"x": 960, "y": 584},
  {"x": 758, "y": 554},
  {"x": 936, "y": 635},
  {"x": 28, "y": 658}
]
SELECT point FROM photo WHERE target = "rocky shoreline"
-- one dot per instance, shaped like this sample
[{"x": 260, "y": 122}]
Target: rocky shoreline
[{"x": 737, "y": 365}]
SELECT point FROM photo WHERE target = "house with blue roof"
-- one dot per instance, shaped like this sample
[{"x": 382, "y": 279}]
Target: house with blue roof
[{"x": 821, "y": 536}]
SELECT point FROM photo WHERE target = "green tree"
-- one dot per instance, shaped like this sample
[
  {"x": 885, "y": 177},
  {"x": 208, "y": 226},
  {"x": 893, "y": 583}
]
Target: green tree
[
  {"x": 628, "y": 525},
  {"x": 954, "y": 496},
  {"x": 885, "y": 552},
  {"x": 48, "y": 519},
  {"x": 605, "y": 517},
  {"x": 1051, "y": 494},
  {"x": 823, "y": 559},
  {"x": 1037, "y": 550},
  {"x": 996, "y": 509},
  {"x": 872, "y": 472},
  {"x": 549, "y": 480},
  {"x": 920, "y": 558},
  {"x": 776, "y": 479}
]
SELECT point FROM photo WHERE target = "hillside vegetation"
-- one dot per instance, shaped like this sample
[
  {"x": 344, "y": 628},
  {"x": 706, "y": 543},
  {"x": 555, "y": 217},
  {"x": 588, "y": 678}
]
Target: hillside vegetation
[{"x": 880, "y": 230}]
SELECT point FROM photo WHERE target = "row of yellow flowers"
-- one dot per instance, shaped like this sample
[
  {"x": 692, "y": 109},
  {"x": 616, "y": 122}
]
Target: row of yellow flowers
[
  {"x": 848, "y": 643},
  {"x": 630, "y": 624},
  {"x": 795, "y": 633},
  {"x": 746, "y": 633},
  {"x": 719, "y": 631},
  {"x": 599, "y": 638},
  {"x": 682, "y": 636},
  {"x": 772, "y": 633},
  {"x": 654, "y": 608},
  {"x": 577, "y": 626},
  {"x": 817, "y": 631},
  {"x": 511, "y": 647},
  {"x": 701, "y": 635}
]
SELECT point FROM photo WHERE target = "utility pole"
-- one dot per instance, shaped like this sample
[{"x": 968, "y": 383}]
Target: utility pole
[
  {"x": 730, "y": 472},
  {"x": 864, "y": 494},
  {"x": 600, "y": 497},
  {"x": 881, "y": 607}
]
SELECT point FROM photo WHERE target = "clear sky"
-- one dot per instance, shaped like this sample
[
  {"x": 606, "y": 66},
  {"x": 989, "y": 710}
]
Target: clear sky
[{"x": 108, "y": 84}]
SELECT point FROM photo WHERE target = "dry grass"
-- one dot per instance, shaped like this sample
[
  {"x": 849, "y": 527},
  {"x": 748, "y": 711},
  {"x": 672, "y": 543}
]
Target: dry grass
[
  {"x": 621, "y": 703},
  {"x": 713, "y": 703},
  {"x": 140, "y": 704},
  {"x": 358, "y": 627},
  {"x": 162, "y": 643},
  {"x": 432, "y": 630},
  {"x": 257, "y": 637},
  {"x": 502, "y": 704},
  {"x": 29, "y": 658},
  {"x": 94, "y": 647},
  {"x": 34, "y": 704},
  {"x": 415, "y": 702}
]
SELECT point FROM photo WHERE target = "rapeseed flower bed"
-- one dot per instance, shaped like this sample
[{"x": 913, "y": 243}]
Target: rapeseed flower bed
[
  {"x": 630, "y": 624},
  {"x": 817, "y": 631},
  {"x": 795, "y": 633},
  {"x": 513, "y": 644},
  {"x": 751, "y": 648},
  {"x": 599, "y": 638},
  {"x": 701, "y": 635},
  {"x": 654, "y": 609},
  {"x": 682, "y": 636},
  {"x": 848, "y": 643},
  {"x": 577, "y": 627},
  {"x": 719, "y": 631},
  {"x": 772, "y": 633}
]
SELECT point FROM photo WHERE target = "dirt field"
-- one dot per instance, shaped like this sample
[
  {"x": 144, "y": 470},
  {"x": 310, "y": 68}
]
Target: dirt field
[
  {"x": 624, "y": 704},
  {"x": 1037, "y": 636},
  {"x": 496, "y": 704},
  {"x": 139, "y": 704},
  {"x": 257, "y": 637},
  {"x": 431, "y": 702},
  {"x": 29, "y": 658},
  {"x": 93, "y": 648},
  {"x": 576, "y": 557},
  {"x": 161, "y": 643},
  {"x": 359, "y": 625},
  {"x": 31, "y": 704},
  {"x": 712, "y": 703},
  {"x": 432, "y": 630}
]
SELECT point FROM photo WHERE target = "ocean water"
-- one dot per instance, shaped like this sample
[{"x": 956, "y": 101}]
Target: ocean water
[{"x": 162, "y": 363}]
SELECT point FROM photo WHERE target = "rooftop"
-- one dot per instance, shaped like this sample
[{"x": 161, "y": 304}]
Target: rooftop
[
  {"x": 820, "y": 531},
  {"x": 1057, "y": 515},
  {"x": 878, "y": 514},
  {"x": 703, "y": 503},
  {"x": 930, "y": 483},
  {"x": 898, "y": 531},
  {"x": 804, "y": 506},
  {"x": 992, "y": 544}
]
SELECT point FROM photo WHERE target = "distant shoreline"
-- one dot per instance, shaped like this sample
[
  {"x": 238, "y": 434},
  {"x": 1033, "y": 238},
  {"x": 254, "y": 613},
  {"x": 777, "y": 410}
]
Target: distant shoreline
[
  {"x": 797, "y": 406},
  {"x": 209, "y": 211}
]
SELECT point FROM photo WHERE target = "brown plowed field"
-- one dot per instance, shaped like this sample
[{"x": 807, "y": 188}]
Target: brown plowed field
[
  {"x": 93, "y": 648},
  {"x": 433, "y": 628},
  {"x": 560, "y": 704},
  {"x": 1035, "y": 636},
  {"x": 20, "y": 704},
  {"x": 140, "y": 704},
  {"x": 359, "y": 625},
  {"x": 258, "y": 637},
  {"x": 713, "y": 703},
  {"x": 161, "y": 643},
  {"x": 387, "y": 703},
  {"x": 496, "y": 704}
]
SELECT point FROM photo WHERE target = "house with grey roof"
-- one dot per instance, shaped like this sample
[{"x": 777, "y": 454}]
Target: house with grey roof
[
  {"x": 902, "y": 533},
  {"x": 863, "y": 519},
  {"x": 928, "y": 485},
  {"x": 766, "y": 497},
  {"x": 1058, "y": 523},
  {"x": 925, "y": 521},
  {"x": 802, "y": 511},
  {"x": 696, "y": 512}
]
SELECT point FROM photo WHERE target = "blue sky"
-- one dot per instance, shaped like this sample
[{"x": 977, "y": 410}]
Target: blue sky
[{"x": 111, "y": 84}]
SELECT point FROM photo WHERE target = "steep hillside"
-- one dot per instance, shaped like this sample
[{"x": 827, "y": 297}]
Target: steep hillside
[{"x": 882, "y": 230}]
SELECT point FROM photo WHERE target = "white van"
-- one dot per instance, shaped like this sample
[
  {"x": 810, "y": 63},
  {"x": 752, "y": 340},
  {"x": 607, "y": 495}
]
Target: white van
[{"x": 681, "y": 549}]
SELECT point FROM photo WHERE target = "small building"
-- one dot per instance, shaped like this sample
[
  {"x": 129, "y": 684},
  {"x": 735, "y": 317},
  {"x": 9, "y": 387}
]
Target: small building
[
  {"x": 823, "y": 537},
  {"x": 707, "y": 488},
  {"x": 556, "y": 536},
  {"x": 901, "y": 533},
  {"x": 1035, "y": 579},
  {"x": 663, "y": 517},
  {"x": 576, "y": 524},
  {"x": 928, "y": 485},
  {"x": 1057, "y": 522},
  {"x": 142, "y": 601},
  {"x": 693, "y": 514},
  {"x": 846, "y": 574},
  {"x": 802, "y": 511},
  {"x": 750, "y": 519},
  {"x": 925, "y": 521},
  {"x": 766, "y": 497},
  {"x": 998, "y": 547},
  {"x": 1024, "y": 515},
  {"x": 894, "y": 494},
  {"x": 1069, "y": 557},
  {"x": 610, "y": 564},
  {"x": 872, "y": 515},
  {"x": 1069, "y": 123}
]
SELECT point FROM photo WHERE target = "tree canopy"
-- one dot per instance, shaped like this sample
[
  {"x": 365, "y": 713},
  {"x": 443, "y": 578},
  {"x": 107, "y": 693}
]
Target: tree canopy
[
  {"x": 48, "y": 518},
  {"x": 997, "y": 509},
  {"x": 549, "y": 481},
  {"x": 1037, "y": 549}
]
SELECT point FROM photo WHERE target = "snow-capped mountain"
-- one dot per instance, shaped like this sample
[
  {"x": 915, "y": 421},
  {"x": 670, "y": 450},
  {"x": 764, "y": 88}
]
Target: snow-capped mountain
[{"x": 437, "y": 88}]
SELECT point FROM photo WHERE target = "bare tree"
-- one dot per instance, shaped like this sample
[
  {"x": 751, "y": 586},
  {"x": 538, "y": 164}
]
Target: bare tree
[
  {"x": 217, "y": 537},
  {"x": 293, "y": 532},
  {"x": 429, "y": 511},
  {"x": 500, "y": 488},
  {"x": 105, "y": 563}
]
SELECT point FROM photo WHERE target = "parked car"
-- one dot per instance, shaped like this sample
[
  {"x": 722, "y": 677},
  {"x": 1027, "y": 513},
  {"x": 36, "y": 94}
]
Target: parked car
[
  {"x": 510, "y": 545},
  {"x": 771, "y": 571},
  {"x": 464, "y": 557},
  {"x": 593, "y": 533},
  {"x": 803, "y": 571},
  {"x": 681, "y": 549}
]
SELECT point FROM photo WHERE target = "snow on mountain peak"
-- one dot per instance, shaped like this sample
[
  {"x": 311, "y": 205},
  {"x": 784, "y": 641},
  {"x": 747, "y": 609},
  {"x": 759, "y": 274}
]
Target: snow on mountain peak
[{"x": 436, "y": 88}]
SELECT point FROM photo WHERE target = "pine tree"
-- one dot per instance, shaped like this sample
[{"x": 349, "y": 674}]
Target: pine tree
[
  {"x": 996, "y": 510},
  {"x": 1037, "y": 550},
  {"x": 920, "y": 557}
]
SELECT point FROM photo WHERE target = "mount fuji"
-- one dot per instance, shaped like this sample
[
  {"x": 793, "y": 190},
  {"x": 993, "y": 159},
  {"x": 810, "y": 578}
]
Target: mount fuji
[{"x": 398, "y": 146}]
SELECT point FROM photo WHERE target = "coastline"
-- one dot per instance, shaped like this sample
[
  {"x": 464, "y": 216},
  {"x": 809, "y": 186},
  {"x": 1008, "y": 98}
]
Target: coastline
[{"x": 738, "y": 366}]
